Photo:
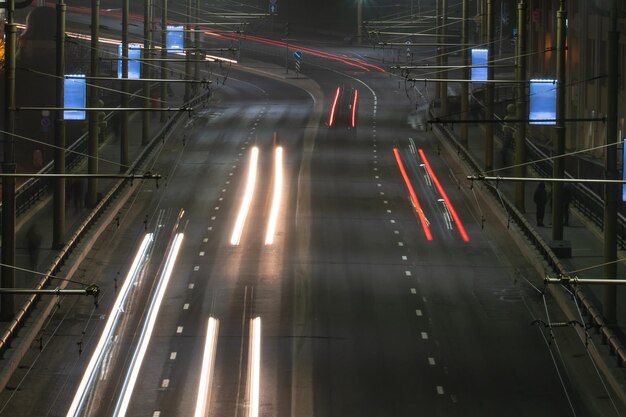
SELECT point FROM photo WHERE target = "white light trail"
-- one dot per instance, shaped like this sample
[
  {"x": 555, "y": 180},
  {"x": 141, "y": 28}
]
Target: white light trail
[
  {"x": 107, "y": 333},
  {"x": 146, "y": 334},
  {"x": 247, "y": 198},
  {"x": 254, "y": 373},
  {"x": 277, "y": 197},
  {"x": 206, "y": 375}
]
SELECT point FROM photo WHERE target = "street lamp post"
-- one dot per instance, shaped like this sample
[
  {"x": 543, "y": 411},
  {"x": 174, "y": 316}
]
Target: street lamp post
[{"x": 359, "y": 20}]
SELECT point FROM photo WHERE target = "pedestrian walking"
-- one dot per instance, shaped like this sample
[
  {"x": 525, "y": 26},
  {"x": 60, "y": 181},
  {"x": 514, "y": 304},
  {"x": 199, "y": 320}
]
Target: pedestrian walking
[
  {"x": 77, "y": 194},
  {"x": 540, "y": 198},
  {"x": 567, "y": 199},
  {"x": 33, "y": 243}
]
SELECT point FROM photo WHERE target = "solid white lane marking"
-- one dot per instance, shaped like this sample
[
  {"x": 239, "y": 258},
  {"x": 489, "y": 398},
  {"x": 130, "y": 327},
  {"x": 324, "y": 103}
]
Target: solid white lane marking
[
  {"x": 173, "y": 356},
  {"x": 413, "y": 291},
  {"x": 439, "y": 390},
  {"x": 186, "y": 306},
  {"x": 418, "y": 313},
  {"x": 431, "y": 361},
  {"x": 407, "y": 273},
  {"x": 424, "y": 335},
  {"x": 179, "y": 330}
]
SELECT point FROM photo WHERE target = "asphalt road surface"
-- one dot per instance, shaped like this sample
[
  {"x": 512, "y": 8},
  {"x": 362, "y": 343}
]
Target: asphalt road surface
[{"x": 379, "y": 295}]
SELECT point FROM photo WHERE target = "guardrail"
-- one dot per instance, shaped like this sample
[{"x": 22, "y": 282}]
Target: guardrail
[
  {"x": 607, "y": 335},
  {"x": 95, "y": 214}
]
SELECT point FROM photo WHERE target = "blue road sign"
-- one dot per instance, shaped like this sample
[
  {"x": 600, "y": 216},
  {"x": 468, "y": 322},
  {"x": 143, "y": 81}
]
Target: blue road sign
[{"x": 297, "y": 55}]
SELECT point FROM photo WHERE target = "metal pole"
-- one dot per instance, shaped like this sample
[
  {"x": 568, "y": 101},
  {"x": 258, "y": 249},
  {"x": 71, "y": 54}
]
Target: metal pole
[
  {"x": 521, "y": 108},
  {"x": 58, "y": 212},
  {"x": 92, "y": 164},
  {"x": 7, "y": 301},
  {"x": 124, "y": 161},
  {"x": 163, "y": 56},
  {"x": 147, "y": 72},
  {"x": 443, "y": 99},
  {"x": 188, "y": 52},
  {"x": 359, "y": 21},
  {"x": 439, "y": 41},
  {"x": 196, "y": 45},
  {"x": 466, "y": 72},
  {"x": 558, "y": 169},
  {"x": 489, "y": 89},
  {"x": 609, "y": 305}
]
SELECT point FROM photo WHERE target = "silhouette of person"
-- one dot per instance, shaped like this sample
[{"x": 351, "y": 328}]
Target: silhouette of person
[
  {"x": 33, "y": 243},
  {"x": 567, "y": 199},
  {"x": 540, "y": 198}
]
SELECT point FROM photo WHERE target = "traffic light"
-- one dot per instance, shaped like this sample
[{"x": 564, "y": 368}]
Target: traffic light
[{"x": 286, "y": 29}]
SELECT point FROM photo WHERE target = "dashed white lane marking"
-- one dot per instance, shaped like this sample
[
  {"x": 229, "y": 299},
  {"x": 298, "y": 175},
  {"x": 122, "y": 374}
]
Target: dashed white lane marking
[
  {"x": 223, "y": 190},
  {"x": 413, "y": 291},
  {"x": 407, "y": 273},
  {"x": 234, "y": 166},
  {"x": 400, "y": 244},
  {"x": 453, "y": 398},
  {"x": 191, "y": 286},
  {"x": 217, "y": 208},
  {"x": 385, "y": 202},
  {"x": 210, "y": 228},
  {"x": 404, "y": 258},
  {"x": 213, "y": 217},
  {"x": 424, "y": 335},
  {"x": 374, "y": 150},
  {"x": 379, "y": 184},
  {"x": 196, "y": 268},
  {"x": 382, "y": 193},
  {"x": 389, "y": 211},
  {"x": 179, "y": 329},
  {"x": 220, "y": 199},
  {"x": 156, "y": 414},
  {"x": 375, "y": 156},
  {"x": 231, "y": 174},
  {"x": 375, "y": 169},
  {"x": 201, "y": 253},
  {"x": 392, "y": 221},
  {"x": 418, "y": 313},
  {"x": 376, "y": 177},
  {"x": 186, "y": 306},
  {"x": 439, "y": 390},
  {"x": 431, "y": 361},
  {"x": 227, "y": 182},
  {"x": 396, "y": 232},
  {"x": 165, "y": 383},
  {"x": 206, "y": 239},
  {"x": 173, "y": 356},
  {"x": 424, "y": 298}
]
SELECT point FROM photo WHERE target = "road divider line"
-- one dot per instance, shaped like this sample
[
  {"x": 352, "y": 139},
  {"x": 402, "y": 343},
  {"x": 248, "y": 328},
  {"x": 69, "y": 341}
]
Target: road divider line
[
  {"x": 416, "y": 203},
  {"x": 277, "y": 197},
  {"x": 247, "y": 198},
  {"x": 254, "y": 371},
  {"x": 208, "y": 363},
  {"x": 443, "y": 194}
]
